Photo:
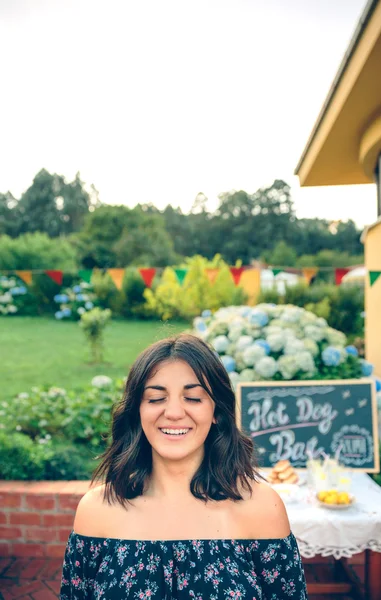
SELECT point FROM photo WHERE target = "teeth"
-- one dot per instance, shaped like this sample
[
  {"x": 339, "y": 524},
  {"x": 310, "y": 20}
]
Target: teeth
[{"x": 175, "y": 431}]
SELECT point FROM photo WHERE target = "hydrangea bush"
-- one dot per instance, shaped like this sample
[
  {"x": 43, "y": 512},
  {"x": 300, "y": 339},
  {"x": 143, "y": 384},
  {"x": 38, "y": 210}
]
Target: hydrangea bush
[
  {"x": 15, "y": 297},
  {"x": 75, "y": 301},
  {"x": 279, "y": 342}
]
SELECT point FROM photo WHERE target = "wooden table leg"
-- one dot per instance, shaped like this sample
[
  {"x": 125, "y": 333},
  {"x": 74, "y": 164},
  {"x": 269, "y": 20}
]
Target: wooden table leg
[{"x": 372, "y": 575}]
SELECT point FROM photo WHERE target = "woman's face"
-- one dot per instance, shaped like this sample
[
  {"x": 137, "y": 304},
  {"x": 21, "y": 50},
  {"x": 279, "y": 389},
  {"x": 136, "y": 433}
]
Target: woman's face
[{"x": 176, "y": 412}]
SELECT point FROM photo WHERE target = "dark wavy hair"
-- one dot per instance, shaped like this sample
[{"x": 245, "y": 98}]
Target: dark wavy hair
[{"x": 229, "y": 457}]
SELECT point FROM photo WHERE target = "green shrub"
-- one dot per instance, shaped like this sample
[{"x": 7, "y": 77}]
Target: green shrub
[
  {"x": 21, "y": 457},
  {"x": 170, "y": 300},
  {"x": 69, "y": 462}
]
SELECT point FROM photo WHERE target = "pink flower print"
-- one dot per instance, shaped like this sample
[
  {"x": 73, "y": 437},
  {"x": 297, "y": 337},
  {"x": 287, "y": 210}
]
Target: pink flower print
[{"x": 77, "y": 563}]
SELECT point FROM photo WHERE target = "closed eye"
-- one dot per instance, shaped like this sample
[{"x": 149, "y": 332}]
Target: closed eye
[
  {"x": 160, "y": 399},
  {"x": 193, "y": 399}
]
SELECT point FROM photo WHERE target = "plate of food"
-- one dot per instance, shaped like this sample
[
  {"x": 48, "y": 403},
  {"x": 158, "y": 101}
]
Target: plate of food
[
  {"x": 335, "y": 499},
  {"x": 284, "y": 473}
]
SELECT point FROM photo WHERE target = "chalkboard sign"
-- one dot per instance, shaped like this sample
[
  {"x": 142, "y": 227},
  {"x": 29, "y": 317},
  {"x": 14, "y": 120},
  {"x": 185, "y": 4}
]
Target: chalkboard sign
[{"x": 287, "y": 420}]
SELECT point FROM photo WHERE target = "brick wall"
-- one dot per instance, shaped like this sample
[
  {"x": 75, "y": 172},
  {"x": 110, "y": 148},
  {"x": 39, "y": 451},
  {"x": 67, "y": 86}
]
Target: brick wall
[{"x": 36, "y": 517}]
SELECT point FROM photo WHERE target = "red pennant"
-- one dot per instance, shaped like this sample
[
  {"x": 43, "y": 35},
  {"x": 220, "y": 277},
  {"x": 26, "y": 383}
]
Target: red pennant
[
  {"x": 339, "y": 274},
  {"x": 57, "y": 276},
  {"x": 148, "y": 275},
  {"x": 236, "y": 273}
]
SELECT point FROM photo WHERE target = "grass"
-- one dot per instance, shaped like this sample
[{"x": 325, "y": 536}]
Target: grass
[{"x": 38, "y": 351}]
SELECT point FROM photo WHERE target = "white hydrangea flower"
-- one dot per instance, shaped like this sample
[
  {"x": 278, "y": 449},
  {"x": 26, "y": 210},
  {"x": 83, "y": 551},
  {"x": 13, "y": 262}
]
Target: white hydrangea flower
[
  {"x": 266, "y": 367},
  {"x": 252, "y": 355},
  {"x": 247, "y": 375},
  {"x": 244, "y": 342},
  {"x": 305, "y": 362},
  {"x": 234, "y": 379},
  {"x": 292, "y": 314},
  {"x": 101, "y": 381},
  {"x": 220, "y": 343},
  {"x": 235, "y": 333},
  {"x": 311, "y": 346},
  {"x": 316, "y": 334},
  {"x": 335, "y": 338},
  {"x": 276, "y": 341},
  {"x": 293, "y": 346},
  {"x": 288, "y": 366}
]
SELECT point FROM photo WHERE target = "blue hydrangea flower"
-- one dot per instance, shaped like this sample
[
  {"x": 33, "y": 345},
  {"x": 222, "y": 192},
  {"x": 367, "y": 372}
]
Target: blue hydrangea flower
[
  {"x": 228, "y": 362},
  {"x": 378, "y": 384},
  {"x": 258, "y": 318},
  {"x": 221, "y": 343},
  {"x": 265, "y": 345},
  {"x": 89, "y": 305},
  {"x": 66, "y": 312},
  {"x": 366, "y": 368},
  {"x": 352, "y": 350},
  {"x": 59, "y": 314},
  {"x": 61, "y": 298},
  {"x": 199, "y": 324},
  {"x": 206, "y": 313},
  {"x": 80, "y": 297},
  {"x": 77, "y": 289},
  {"x": 331, "y": 356}
]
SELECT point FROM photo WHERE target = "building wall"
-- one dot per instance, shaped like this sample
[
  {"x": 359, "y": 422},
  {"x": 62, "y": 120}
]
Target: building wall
[{"x": 373, "y": 298}]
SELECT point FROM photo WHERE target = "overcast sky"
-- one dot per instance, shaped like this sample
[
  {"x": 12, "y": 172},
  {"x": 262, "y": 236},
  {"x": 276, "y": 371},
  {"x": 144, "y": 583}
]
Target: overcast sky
[{"x": 157, "y": 100}]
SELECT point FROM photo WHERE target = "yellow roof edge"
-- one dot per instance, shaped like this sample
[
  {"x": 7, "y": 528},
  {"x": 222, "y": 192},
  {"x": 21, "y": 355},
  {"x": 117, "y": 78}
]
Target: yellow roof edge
[{"x": 356, "y": 37}]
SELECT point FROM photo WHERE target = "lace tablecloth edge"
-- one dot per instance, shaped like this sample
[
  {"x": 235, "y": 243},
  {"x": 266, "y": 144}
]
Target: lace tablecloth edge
[{"x": 308, "y": 551}]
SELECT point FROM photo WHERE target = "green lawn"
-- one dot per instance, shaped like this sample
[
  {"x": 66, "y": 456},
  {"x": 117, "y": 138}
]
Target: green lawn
[{"x": 39, "y": 351}]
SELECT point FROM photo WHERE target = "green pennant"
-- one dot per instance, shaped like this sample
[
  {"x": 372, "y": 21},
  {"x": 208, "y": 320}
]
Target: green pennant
[
  {"x": 276, "y": 271},
  {"x": 85, "y": 274},
  {"x": 180, "y": 274},
  {"x": 373, "y": 276}
]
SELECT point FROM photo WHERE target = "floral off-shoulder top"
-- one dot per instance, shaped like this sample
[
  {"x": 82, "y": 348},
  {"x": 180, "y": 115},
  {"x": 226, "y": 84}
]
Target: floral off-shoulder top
[{"x": 218, "y": 569}]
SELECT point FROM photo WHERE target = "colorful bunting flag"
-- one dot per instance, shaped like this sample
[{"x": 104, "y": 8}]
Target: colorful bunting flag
[
  {"x": 56, "y": 276},
  {"x": 212, "y": 274},
  {"x": 251, "y": 282},
  {"x": 309, "y": 273},
  {"x": 180, "y": 274},
  {"x": 236, "y": 273},
  {"x": 117, "y": 275},
  {"x": 373, "y": 276},
  {"x": 339, "y": 274},
  {"x": 148, "y": 275},
  {"x": 26, "y": 276},
  {"x": 85, "y": 275},
  {"x": 276, "y": 271}
]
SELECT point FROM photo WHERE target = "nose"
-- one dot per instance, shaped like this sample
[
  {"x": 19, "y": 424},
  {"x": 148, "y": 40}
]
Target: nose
[{"x": 174, "y": 410}]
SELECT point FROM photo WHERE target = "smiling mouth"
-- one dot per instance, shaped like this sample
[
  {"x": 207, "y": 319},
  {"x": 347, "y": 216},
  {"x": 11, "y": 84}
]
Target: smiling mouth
[{"x": 175, "y": 433}]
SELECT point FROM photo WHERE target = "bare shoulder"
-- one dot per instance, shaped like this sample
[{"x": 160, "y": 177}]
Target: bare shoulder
[
  {"x": 90, "y": 512},
  {"x": 265, "y": 513}
]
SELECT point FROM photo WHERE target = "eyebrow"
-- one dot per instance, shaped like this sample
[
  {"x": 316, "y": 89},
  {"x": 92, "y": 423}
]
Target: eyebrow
[{"x": 188, "y": 386}]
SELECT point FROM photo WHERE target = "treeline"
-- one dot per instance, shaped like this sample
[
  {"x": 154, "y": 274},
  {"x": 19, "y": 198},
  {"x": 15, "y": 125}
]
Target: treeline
[{"x": 60, "y": 220}]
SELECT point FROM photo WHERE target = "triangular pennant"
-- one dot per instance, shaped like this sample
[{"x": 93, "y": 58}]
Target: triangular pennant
[
  {"x": 148, "y": 275},
  {"x": 236, "y": 273},
  {"x": 309, "y": 273},
  {"x": 276, "y": 271},
  {"x": 56, "y": 276},
  {"x": 85, "y": 275},
  {"x": 26, "y": 276},
  {"x": 180, "y": 274},
  {"x": 212, "y": 274},
  {"x": 117, "y": 275},
  {"x": 339, "y": 274},
  {"x": 373, "y": 276}
]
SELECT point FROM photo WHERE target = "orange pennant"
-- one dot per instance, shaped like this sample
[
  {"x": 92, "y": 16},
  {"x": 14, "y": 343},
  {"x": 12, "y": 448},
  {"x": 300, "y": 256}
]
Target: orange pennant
[
  {"x": 236, "y": 273},
  {"x": 212, "y": 274},
  {"x": 148, "y": 275},
  {"x": 251, "y": 282},
  {"x": 309, "y": 273},
  {"x": 117, "y": 275},
  {"x": 26, "y": 276}
]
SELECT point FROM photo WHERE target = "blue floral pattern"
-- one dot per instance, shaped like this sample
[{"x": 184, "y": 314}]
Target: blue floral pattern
[{"x": 115, "y": 569}]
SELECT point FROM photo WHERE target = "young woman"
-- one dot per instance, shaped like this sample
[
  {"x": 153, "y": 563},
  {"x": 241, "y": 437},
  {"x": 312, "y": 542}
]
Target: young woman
[{"x": 179, "y": 510}]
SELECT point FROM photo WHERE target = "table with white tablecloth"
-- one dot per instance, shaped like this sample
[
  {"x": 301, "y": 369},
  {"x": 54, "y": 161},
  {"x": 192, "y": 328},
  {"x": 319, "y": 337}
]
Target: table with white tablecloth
[{"x": 340, "y": 533}]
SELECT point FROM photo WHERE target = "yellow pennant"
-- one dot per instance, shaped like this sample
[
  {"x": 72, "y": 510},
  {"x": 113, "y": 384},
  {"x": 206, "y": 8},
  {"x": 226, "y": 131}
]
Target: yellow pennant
[
  {"x": 117, "y": 275},
  {"x": 26, "y": 276},
  {"x": 250, "y": 281},
  {"x": 309, "y": 273}
]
